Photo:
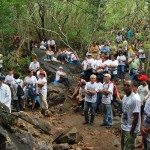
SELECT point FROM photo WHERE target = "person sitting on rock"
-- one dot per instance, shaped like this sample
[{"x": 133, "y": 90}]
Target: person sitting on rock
[
  {"x": 43, "y": 45},
  {"x": 75, "y": 58},
  {"x": 62, "y": 78},
  {"x": 76, "y": 89},
  {"x": 34, "y": 66},
  {"x": 51, "y": 44},
  {"x": 49, "y": 54},
  {"x": 61, "y": 56}
]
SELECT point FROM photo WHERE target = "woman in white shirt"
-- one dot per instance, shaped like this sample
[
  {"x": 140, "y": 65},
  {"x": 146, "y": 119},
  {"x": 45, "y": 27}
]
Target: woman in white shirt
[
  {"x": 30, "y": 82},
  {"x": 42, "y": 87}
]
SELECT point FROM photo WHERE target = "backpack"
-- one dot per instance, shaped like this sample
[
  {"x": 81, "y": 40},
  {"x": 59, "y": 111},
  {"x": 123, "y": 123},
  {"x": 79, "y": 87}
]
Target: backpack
[
  {"x": 31, "y": 91},
  {"x": 19, "y": 91}
]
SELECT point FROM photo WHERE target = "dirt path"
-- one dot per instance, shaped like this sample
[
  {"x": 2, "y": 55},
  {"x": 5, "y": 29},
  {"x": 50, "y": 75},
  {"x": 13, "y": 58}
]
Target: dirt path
[{"x": 93, "y": 136}]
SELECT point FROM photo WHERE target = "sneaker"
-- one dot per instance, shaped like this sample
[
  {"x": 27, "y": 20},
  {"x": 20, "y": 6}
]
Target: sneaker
[
  {"x": 85, "y": 122},
  {"x": 103, "y": 124},
  {"x": 108, "y": 126},
  {"x": 91, "y": 123},
  {"x": 119, "y": 80}
]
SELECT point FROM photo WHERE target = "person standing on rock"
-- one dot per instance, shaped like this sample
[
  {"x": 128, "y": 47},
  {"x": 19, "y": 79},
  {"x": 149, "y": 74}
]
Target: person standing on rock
[
  {"x": 107, "y": 98},
  {"x": 5, "y": 96},
  {"x": 131, "y": 118},
  {"x": 62, "y": 78},
  {"x": 10, "y": 77},
  {"x": 90, "y": 100},
  {"x": 42, "y": 87},
  {"x": 30, "y": 82}
]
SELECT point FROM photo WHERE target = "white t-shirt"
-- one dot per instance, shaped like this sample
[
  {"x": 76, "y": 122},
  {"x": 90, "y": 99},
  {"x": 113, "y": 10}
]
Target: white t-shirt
[
  {"x": 51, "y": 42},
  {"x": 90, "y": 62},
  {"x": 42, "y": 89},
  {"x": 130, "y": 105},
  {"x": 122, "y": 58},
  {"x": 84, "y": 63},
  {"x": 57, "y": 77},
  {"x": 95, "y": 65},
  {"x": 14, "y": 86},
  {"x": 113, "y": 63},
  {"x": 142, "y": 91},
  {"x": 34, "y": 65},
  {"x": 30, "y": 80},
  {"x": 5, "y": 96},
  {"x": 99, "y": 86},
  {"x": 103, "y": 64},
  {"x": 81, "y": 90},
  {"x": 9, "y": 79},
  {"x": 147, "y": 117},
  {"x": 106, "y": 99},
  {"x": 141, "y": 55},
  {"x": 91, "y": 87}
]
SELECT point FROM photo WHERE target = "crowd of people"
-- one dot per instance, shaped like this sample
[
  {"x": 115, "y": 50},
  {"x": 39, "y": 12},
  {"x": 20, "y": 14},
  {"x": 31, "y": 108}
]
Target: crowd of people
[{"x": 104, "y": 67}]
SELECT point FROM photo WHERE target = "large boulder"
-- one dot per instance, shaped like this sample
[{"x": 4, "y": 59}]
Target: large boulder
[
  {"x": 51, "y": 67},
  {"x": 5, "y": 142},
  {"x": 71, "y": 136},
  {"x": 56, "y": 94},
  {"x": 38, "y": 122}
]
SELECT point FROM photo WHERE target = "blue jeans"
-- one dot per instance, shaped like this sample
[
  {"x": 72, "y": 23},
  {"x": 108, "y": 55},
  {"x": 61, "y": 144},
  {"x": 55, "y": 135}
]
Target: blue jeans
[
  {"x": 132, "y": 77},
  {"x": 98, "y": 101},
  {"x": 88, "y": 105},
  {"x": 107, "y": 114},
  {"x": 49, "y": 57},
  {"x": 121, "y": 69}
]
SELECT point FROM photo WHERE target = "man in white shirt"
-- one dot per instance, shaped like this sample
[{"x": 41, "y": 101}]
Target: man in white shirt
[
  {"x": 51, "y": 44},
  {"x": 5, "y": 96},
  {"x": 90, "y": 100},
  {"x": 131, "y": 118},
  {"x": 62, "y": 78},
  {"x": 42, "y": 87},
  {"x": 14, "y": 85},
  {"x": 10, "y": 77},
  {"x": 107, "y": 97},
  {"x": 35, "y": 65},
  {"x": 121, "y": 65},
  {"x": 112, "y": 67}
]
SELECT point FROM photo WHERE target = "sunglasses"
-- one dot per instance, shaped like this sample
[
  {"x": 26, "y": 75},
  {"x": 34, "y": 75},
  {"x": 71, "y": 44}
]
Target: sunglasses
[{"x": 128, "y": 85}]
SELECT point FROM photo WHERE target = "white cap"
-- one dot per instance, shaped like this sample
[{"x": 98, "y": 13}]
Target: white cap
[
  {"x": 60, "y": 67},
  {"x": 107, "y": 75}
]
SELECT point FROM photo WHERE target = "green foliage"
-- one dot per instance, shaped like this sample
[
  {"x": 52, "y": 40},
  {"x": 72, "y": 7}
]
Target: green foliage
[{"x": 21, "y": 66}]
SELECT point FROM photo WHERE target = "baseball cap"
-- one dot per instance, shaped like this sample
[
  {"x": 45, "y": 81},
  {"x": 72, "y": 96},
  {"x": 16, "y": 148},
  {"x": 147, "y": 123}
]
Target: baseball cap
[
  {"x": 107, "y": 75},
  {"x": 143, "y": 77},
  {"x": 42, "y": 72},
  {"x": 60, "y": 67}
]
